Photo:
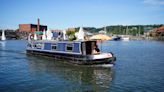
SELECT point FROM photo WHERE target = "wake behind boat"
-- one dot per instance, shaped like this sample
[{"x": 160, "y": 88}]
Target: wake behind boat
[{"x": 79, "y": 51}]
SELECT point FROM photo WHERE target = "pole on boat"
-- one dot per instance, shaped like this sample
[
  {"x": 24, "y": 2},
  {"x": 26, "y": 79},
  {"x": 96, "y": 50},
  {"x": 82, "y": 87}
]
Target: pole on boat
[{"x": 101, "y": 45}]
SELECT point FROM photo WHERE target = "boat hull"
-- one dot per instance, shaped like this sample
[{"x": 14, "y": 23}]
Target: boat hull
[{"x": 75, "y": 58}]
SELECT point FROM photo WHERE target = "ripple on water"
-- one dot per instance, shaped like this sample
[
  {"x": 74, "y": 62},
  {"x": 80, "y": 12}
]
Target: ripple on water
[{"x": 139, "y": 68}]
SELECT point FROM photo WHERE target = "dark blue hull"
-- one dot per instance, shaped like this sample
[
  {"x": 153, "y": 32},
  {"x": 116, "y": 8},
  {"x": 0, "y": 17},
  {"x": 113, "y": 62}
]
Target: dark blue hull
[{"x": 73, "y": 58}]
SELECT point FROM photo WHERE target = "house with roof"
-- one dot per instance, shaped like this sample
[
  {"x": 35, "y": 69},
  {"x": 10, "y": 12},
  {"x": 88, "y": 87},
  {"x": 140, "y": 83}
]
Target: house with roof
[{"x": 158, "y": 31}]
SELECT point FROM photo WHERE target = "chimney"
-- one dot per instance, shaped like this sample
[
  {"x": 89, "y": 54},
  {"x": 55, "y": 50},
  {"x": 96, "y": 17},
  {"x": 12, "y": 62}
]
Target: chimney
[{"x": 38, "y": 26}]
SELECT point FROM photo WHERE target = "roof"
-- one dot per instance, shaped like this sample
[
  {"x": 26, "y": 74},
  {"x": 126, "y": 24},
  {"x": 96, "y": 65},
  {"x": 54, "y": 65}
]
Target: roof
[
  {"x": 160, "y": 29},
  {"x": 65, "y": 41},
  {"x": 38, "y": 32},
  {"x": 33, "y": 25},
  {"x": 56, "y": 30},
  {"x": 100, "y": 37}
]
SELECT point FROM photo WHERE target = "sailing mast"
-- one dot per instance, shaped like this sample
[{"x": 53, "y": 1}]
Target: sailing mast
[
  {"x": 105, "y": 30},
  {"x": 126, "y": 32},
  {"x": 139, "y": 31},
  {"x": 3, "y": 37}
]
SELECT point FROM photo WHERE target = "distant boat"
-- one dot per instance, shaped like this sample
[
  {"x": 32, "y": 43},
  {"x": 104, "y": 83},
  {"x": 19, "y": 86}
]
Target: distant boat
[
  {"x": 125, "y": 38},
  {"x": 116, "y": 38},
  {"x": 3, "y": 37}
]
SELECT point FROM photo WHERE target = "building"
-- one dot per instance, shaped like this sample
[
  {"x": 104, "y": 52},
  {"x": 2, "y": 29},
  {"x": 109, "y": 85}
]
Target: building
[
  {"x": 156, "y": 32},
  {"x": 160, "y": 29},
  {"x": 102, "y": 32},
  {"x": 32, "y": 27}
]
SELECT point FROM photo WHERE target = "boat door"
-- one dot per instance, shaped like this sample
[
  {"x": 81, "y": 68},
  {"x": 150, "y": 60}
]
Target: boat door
[{"x": 87, "y": 47}]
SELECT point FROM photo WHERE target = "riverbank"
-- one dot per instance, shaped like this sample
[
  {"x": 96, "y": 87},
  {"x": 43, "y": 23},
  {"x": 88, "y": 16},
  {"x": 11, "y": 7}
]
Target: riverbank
[
  {"x": 15, "y": 34},
  {"x": 159, "y": 38},
  {"x": 155, "y": 38}
]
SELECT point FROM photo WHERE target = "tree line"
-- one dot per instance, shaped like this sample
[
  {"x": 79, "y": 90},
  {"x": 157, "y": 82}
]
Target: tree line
[
  {"x": 124, "y": 30},
  {"x": 113, "y": 30}
]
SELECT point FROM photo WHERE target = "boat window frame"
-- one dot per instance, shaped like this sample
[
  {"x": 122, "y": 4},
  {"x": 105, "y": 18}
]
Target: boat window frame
[
  {"x": 54, "y": 44},
  {"x": 71, "y": 45}
]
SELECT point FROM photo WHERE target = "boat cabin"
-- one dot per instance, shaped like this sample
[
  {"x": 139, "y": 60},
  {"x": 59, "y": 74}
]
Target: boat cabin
[{"x": 70, "y": 47}]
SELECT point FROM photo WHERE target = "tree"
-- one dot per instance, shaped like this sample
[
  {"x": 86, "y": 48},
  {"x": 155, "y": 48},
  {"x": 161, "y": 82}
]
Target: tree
[{"x": 71, "y": 33}]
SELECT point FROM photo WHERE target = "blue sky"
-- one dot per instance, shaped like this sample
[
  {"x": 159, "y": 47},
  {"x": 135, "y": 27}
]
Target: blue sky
[{"x": 62, "y": 14}]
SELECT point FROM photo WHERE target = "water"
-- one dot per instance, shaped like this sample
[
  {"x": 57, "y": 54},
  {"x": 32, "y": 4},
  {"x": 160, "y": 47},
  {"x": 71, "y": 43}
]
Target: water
[{"x": 139, "y": 68}]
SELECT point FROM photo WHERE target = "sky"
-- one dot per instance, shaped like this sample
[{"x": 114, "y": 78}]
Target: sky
[{"x": 62, "y": 14}]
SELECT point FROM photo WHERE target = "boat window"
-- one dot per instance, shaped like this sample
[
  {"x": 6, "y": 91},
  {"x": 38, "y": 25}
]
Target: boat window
[
  {"x": 69, "y": 47},
  {"x": 34, "y": 45},
  {"x": 38, "y": 45},
  {"x": 54, "y": 46},
  {"x": 29, "y": 45}
]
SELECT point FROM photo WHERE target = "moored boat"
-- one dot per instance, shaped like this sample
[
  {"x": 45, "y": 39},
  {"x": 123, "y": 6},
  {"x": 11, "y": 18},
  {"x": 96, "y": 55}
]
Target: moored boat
[
  {"x": 125, "y": 37},
  {"x": 116, "y": 38},
  {"x": 3, "y": 37}
]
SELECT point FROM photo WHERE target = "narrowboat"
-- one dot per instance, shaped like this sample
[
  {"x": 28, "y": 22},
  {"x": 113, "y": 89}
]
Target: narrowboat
[
  {"x": 81, "y": 52},
  {"x": 77, "y": 52}
]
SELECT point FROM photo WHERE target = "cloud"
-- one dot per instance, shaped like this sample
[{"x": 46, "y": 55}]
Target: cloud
[{"x": 154, "y": 2}]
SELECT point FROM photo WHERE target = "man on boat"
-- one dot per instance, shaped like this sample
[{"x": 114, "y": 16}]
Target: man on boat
[{"x": 96, "y": 50}]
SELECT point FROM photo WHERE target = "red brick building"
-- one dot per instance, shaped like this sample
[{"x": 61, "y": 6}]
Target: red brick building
[
  {"x": 32, "y": 27},
  {"x": 160, "y": 29}
]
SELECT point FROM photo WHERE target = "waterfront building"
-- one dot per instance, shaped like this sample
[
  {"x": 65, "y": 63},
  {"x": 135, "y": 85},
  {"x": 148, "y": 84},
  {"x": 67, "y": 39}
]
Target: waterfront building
[
  {"x": 32, "y": 27},
  {"x": 156, "y": 32},
  {"x": 160, "y": 29}
]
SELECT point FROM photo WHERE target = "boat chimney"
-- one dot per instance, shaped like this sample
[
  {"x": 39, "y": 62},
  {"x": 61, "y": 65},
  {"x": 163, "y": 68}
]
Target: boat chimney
[{"x": 38, "y": 26}]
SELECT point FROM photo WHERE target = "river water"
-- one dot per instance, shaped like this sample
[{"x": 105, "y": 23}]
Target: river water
[{"x": 139, "y": 68}]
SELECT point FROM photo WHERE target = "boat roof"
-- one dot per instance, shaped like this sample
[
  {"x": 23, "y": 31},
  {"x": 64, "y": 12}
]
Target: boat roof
[{"x": 65, "y": 41}]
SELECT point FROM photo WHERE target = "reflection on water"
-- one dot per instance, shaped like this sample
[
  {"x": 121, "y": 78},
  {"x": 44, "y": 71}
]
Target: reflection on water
[
  {"x": 95, "y": 78},
  {"x": 2, "y": 44},
  {"x": 2, "y": 47}
]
